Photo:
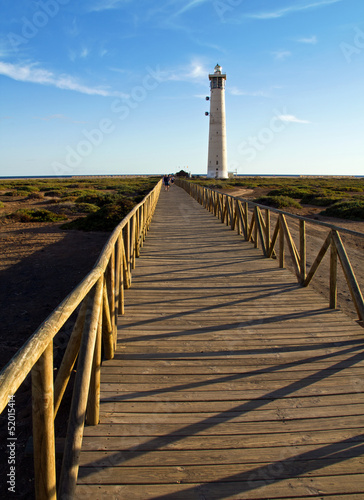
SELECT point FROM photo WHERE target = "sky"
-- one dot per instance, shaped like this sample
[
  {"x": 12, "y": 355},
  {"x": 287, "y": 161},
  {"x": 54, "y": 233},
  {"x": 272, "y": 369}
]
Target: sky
[{"x": 110, "y": 87}]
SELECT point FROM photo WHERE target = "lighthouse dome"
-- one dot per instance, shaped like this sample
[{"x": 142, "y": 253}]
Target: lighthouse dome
[{"x": 218, "y": 68}]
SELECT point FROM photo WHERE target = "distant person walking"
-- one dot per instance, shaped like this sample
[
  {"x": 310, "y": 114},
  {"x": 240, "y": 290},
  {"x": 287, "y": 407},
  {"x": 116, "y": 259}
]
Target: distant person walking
[{"x": 166, "y": 182}]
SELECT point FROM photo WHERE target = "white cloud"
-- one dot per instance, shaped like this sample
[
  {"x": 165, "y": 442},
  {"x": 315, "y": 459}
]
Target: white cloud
[
  {"x": 195, "y": 72},
  {"x": 311, "y": 40},
  {"x": 238, "y": 92},
  {"x": 292, "y": 119},
  {"x": 281, "y": 54},
  {"x": 84, "y": 52},
  {"x": 33, "y": 74},
  {"x": 275, "y": 14},
  {"x": 106, "y": 5},
  {"x": 190, "y": 5},
  {"x": 59, "y": 117}
]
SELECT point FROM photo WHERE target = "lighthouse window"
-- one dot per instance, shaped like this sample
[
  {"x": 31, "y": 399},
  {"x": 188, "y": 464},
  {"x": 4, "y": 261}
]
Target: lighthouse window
[{"x": 217, "y": 163}]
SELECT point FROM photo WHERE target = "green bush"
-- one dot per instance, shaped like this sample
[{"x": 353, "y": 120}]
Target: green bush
[
  {"x": 87, "y": 208},
  {"x": 53, "y": 193},
  {"x": 320, "y": 201},
  {"x": 277, "y": 202},
  {"x": 105, "y": 219},
  {"x": 349, "y": 209},
  {"x": 36, "y": 196},
  {"x": 291, "y": 192},
  {"x": 36, "y": 216},
  {"x": 1, "y": 204},
  {"x": 99, "y": 199}
]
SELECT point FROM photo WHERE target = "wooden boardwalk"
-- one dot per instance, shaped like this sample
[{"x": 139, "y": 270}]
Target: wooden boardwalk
[{"x": 229, "y": 382}]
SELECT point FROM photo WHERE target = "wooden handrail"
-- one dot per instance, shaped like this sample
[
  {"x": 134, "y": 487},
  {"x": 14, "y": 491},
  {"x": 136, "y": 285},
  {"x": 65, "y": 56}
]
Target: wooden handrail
[
  {"x": 259, "y": 230},
  {"x": 99, "y": 298}
]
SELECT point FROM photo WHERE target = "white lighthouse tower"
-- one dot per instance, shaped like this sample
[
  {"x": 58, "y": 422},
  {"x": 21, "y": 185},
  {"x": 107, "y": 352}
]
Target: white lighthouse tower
[{"x": 217, "y": 159}]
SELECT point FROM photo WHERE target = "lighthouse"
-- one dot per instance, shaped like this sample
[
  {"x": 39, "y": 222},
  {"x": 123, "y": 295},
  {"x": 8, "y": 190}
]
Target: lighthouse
[{"x": 217, "y": 158}]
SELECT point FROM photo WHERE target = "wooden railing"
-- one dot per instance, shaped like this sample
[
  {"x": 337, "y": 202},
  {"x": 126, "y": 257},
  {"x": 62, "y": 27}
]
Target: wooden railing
[
  {"x": 97, "y": 300},
  {"x": 236, "y": 212}
]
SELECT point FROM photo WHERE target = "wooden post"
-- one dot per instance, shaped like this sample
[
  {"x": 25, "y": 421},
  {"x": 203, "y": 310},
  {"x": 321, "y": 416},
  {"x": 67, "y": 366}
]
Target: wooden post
[
  {"x": 246, "y": 220},
  {"x": 107, "y": 328},
  {"x": 267, "y": 229},
  {"x": 133, "y": 241},
  {"x": 93, "y": 403},
  {"x": 256, "y": 242},
  {"x": 303, "y": 250},
  {"x": 117, "y": 274},
  {"x": 333, "y": 276},
  {"x": 43, "y": 426},
  {"x": 110, "y": 283},
  {"x": 122, "y": 275},
  {"x": 127, "y": 252},
  {"x": 281, "y": 243},
  {"x": 72, "y": 449}
]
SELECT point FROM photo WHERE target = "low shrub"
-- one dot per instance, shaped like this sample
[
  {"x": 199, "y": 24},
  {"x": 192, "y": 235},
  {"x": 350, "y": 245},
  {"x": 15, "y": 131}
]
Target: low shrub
[
  {"x": 36, "y": 196},
  {"x": 320, "y": 201},
  {"x": 105, "y": 219},
  {"x": 87, "y": 208},
  {"x": 99, "y": 199},
  {"x": 348, "y": 209},
  {"x": 278, "y": 202},
  {"x": 292, "y": 192},
  {"x": 1, "y": 204},
  {"x": 36, "y": 216},
  {"x": 53, "y": 193}
]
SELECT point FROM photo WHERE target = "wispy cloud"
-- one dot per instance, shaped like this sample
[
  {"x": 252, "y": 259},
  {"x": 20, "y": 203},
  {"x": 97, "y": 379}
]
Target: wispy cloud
[
  {"x": 237, "y": 92},
  {"x": 57, "y": 117},
  {"x": 281, "y": 54},
  {"x": 81, "y": 53},
  {"x": 310, "y": 40},
  {"x": 194, "y": 72},
  {"x": 189, "y": 5},
  {"x": 101, "y": 5},
  {"x": 274, "y": 14},
  {"x": 33, "y": 74},
  {"x": 292, "y": 119}
]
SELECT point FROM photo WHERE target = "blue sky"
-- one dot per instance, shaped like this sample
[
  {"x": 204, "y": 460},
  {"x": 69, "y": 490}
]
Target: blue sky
[{"x": 118, "y": 86}]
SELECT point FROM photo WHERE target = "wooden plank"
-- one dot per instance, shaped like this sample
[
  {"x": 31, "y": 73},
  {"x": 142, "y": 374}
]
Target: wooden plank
[
  {"x": 236, "y": 441},
  {"x": 195, "y": 492},
  {"x": 210, "y": 473},
  {"x": 174, "y": 430}
]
